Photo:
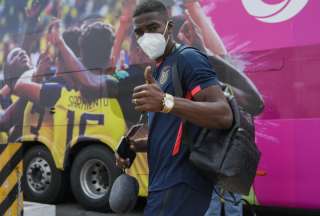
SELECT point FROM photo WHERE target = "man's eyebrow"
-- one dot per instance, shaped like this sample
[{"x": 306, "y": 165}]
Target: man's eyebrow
[
  {"x": 136, "y": 29},
  {"x": 150, "y": 24},
  {"x": 153, "y": 24}
]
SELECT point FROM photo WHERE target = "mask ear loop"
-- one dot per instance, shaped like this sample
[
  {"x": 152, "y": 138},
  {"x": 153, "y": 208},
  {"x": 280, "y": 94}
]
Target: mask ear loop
[{"x": 165, "y": 32}]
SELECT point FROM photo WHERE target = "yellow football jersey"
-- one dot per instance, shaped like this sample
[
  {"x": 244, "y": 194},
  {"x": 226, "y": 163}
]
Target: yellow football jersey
[
  {"x": 3, "y": 134},
  {"x": 62, "y": 119},
  {"x": 74, "y": 120},
  {"x": 37, "y": 124},
  {"x": 3, "y": 138}
]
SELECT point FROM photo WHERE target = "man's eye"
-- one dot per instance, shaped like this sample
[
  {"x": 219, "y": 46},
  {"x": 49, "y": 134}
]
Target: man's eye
[
  {"x": 138, "y": 33},
  {"x": 153, "y": 28}
]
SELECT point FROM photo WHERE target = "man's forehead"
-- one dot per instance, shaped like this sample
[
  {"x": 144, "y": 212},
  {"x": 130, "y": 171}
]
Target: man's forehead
[
  {"x": 12, "y": 53},
  {"x": 148, "y": 18}
]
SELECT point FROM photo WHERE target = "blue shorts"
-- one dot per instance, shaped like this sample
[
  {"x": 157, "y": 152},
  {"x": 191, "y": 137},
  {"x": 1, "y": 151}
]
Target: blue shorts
[{"x": 178, "y": 200}]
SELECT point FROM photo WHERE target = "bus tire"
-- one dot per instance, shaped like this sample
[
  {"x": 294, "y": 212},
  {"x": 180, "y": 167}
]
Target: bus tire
[
  {"x": 92, "y": 175},
  {"x": 42, "y": 181}
]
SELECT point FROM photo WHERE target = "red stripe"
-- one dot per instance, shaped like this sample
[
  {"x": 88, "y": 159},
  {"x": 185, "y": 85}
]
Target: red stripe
[
  {"x": 196, "y": 90},
  {"x": 177, "y": 145}
]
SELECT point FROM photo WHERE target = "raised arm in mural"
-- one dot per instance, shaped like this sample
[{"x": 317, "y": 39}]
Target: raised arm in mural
[
  {"x": 72, "y": 63},
  {"x": 198, "y": 31},
  {"x": 211, "y": 37},
  {"x": 124, "y": 25},
  {"x": 87, "y": 77},
  {"x": 32, "y": 29}
]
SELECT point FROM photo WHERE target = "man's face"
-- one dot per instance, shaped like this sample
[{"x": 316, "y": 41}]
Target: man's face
[
  {"x": 17, "y": 63},
  {"x": 19, "y": 60},
  {"x": 152, "y": 22}
]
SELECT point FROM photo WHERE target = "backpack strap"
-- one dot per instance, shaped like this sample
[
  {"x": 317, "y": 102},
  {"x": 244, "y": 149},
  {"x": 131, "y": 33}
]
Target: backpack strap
[
  {"x": 182, "y": 133},
  {"x": 179, "y": 93},
  {"x": 176, "y": 80},
  {"x": 176, "y": 75}
]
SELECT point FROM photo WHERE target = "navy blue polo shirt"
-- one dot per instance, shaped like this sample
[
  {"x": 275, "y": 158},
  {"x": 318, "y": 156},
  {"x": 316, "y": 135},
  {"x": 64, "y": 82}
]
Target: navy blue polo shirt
[{"x": 168, "y": 161}]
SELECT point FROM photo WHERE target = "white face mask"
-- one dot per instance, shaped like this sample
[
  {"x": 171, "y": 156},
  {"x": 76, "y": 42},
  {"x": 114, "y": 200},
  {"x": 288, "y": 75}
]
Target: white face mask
[{"x": 153, "y": 44}]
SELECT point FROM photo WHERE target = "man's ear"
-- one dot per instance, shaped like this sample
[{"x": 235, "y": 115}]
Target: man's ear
[{"x": 170, "y": 24}]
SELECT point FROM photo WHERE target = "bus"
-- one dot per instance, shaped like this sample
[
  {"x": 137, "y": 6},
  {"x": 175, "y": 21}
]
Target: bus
[{"x": 70, "y": 116}]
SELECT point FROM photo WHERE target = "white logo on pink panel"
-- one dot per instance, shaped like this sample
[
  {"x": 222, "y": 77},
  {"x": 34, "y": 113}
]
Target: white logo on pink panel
[{"x": 274, "y": 13}]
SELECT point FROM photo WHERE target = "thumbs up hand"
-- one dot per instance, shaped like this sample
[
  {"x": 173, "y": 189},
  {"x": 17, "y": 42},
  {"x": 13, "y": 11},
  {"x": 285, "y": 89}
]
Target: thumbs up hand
[
  {"x": 148, "y": 97},
  {"x": 148, "y": 76}
]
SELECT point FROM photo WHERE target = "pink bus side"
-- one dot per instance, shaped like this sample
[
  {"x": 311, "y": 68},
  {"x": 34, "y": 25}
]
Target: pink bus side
[{"x": 284, "y": 62}]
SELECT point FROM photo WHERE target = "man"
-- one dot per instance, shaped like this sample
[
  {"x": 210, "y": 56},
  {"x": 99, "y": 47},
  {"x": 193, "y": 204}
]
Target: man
[
  {"x": 17, "y": 62},
  {"x": 175, "y": 186}
]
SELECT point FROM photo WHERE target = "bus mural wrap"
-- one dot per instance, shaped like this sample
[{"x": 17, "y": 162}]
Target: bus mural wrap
[{"x": 68, "y": 69}]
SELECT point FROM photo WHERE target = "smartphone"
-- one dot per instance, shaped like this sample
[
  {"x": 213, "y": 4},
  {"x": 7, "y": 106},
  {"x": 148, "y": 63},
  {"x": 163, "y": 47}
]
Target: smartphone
[
  {"x": 133, "y": 130},
  {"x": 124, "y": 150}
]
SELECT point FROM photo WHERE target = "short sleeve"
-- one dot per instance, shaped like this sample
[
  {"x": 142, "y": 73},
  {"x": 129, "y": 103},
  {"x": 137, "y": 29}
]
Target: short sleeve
[
  {"x": 5, "y": 102},
  {"x": 50, "y": 94},
  {"x": 195, "y": 70}
]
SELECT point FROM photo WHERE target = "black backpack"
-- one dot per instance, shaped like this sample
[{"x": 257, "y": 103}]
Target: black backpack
[{"x": 229, "y": 158}]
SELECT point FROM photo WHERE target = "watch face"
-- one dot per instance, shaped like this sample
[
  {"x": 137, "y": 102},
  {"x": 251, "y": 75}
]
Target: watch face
[{"x": 169, "y": 103}]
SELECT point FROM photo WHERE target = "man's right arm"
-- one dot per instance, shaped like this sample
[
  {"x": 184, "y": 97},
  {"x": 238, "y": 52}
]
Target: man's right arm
[
  {"x": 138, "y": 145},
  {"x": 138, "y": 142}
]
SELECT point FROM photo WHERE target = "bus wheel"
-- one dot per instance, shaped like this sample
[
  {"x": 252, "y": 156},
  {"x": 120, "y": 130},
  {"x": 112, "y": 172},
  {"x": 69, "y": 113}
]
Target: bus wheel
[
  {"x": 42, "y": 181},
  {"x": 92, "y": 175}
]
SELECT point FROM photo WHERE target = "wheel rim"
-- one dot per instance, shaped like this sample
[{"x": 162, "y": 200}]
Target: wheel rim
[
  {"x": 94, "y": 179},
  {"x": 39, "y": 175}
]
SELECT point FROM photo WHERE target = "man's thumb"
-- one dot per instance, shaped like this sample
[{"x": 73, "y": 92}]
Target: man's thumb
[{"x": 148, "y": 75}]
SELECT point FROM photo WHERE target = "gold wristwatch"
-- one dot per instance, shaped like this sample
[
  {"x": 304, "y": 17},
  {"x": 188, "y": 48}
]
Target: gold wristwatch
[{"x": 168, "y": 103}]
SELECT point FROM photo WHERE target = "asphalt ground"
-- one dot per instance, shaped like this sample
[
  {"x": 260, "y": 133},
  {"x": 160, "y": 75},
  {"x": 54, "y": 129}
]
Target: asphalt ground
[{"x": 71, "y": 208}]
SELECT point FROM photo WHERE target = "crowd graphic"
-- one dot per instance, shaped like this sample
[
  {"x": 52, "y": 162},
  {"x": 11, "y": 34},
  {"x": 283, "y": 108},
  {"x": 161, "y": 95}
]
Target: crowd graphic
[{"x": 69, "y": 67}]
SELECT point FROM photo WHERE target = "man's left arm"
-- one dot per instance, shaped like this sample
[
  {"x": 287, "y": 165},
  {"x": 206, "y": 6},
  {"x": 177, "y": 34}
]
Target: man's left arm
[{"x": 209, "y": 107}]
